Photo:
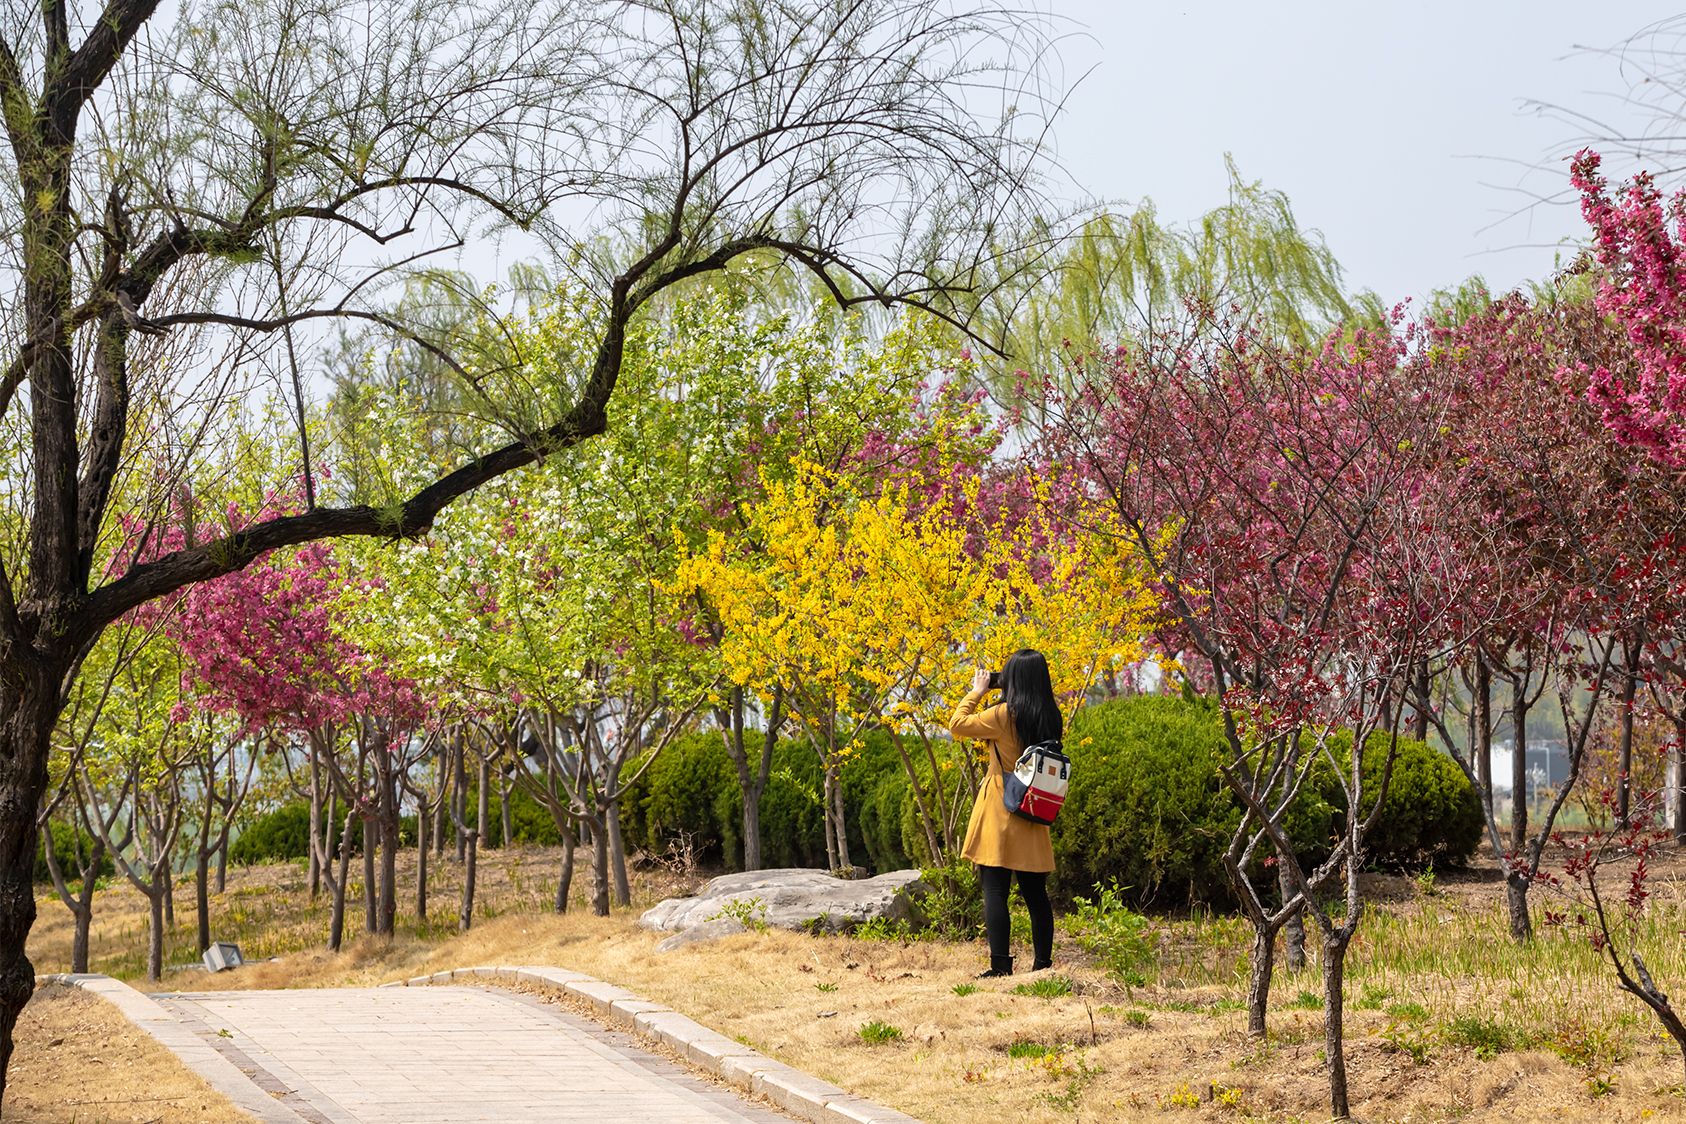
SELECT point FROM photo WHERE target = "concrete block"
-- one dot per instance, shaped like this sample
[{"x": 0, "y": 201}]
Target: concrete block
[
  {"x": 796, "y": 1092},
  {"x": 507, "y": 973},
  {"x": 486, "y": 973},
  {"x": 546, "y": 976},
  {"x": 442, "y": 977},
  {"x": 394, "y": 983},
  {"x": 859, "y": 1110},
  {"x": 421, "y": 981},
  {"x": 669, "y": 1028},
  {"x": 740, "y": 1069},
  {"x": 599, "y": 994},
  {"x": 625, "y": 1011},
  {"x": 711, "y": 1051}
]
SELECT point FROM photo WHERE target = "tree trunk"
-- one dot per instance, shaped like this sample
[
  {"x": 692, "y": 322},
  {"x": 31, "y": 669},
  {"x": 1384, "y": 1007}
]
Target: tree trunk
[
  {"x": 368, "y": 875},
  {"x": 1483, "y": 708},
  {"x": 503, "y": 806},
  {"x": 1419, "y": 721},
  {"x": 1293, "y": 930},
  {"x": 1259, "y": 969},
  {"x": 315, "y": 824},
  {"x": 1516, "y": 902},
  {"x": 422, "y": 840},
  {"x": 336, "y": 921},
  {"x": 439, "y": 805},
  {"x": 483, "y": 808},
  {"x": 599, "y": 871},
  {"x": 155, "y": 927},
  {"x": 459, "y": 794},
  {"x": 835, "y": 773},
  {"x": 222, "y": 864},
  {"x": 169, "y": 893},
  {"x": 465, "y": 915},
  {"x": 1677, "y": 782},
  {"x": 1334, "y": 1051},
  {"x": 1516, "y": 882},
  {"x": 387, "y": 910},
  {"x": 202, "y": 896},
  {"x": 751, "y": 782},
  {"x": 1634, "y": 649},
  {"x": 617, "y": 854},
  {"x": 565, "y": 881}
]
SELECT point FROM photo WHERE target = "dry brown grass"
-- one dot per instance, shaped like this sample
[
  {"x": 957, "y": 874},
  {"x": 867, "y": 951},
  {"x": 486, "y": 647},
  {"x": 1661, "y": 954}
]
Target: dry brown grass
[
  {"x": 1190, "y": 1060},
  {"x": 79, "y": 1061}
]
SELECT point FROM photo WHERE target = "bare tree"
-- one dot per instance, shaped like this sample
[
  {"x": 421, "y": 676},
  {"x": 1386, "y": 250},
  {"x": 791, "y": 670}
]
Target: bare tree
[{"x": 299, "y": 155}]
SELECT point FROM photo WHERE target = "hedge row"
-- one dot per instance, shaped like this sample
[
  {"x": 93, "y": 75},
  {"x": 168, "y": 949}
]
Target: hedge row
[{"x": 1147, "y": 807}]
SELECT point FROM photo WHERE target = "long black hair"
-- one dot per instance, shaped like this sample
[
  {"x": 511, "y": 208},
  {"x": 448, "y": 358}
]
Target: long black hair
[{"x": 1028, "y": 691}]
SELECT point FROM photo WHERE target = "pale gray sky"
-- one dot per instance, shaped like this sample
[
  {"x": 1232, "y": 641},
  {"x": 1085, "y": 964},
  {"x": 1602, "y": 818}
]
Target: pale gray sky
[{"x": 1398, "y": 131}]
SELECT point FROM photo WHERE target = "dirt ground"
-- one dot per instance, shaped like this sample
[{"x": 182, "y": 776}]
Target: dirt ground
[{"x": 1431, "y": 957}]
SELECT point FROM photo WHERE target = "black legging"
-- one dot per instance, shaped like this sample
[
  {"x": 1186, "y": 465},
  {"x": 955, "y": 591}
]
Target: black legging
[{"x": 997, "y": 881}]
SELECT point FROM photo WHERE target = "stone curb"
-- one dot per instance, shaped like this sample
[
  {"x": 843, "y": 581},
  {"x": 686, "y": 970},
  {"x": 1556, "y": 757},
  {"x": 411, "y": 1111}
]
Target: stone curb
[
  {"x": 789, "y": 1088},
  {"x": 200, "y": 1056}
]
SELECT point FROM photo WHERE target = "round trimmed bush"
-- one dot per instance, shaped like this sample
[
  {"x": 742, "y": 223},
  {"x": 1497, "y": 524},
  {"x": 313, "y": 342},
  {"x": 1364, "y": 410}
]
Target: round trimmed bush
[{"x": 1147, "y": 805}]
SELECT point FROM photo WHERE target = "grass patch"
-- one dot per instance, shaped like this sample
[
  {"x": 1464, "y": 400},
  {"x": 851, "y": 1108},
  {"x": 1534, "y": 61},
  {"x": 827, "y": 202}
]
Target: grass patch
[
  {"x": 1305, "y": 1001},
  {"x": 877, "y": 1033},
  {"x": 1488, "y": 1038},
  {"x": 1027, "y": 1049},
  {"x": 78, "y": 1059},
  {"x": 1050, "y": 987},
  {"x": 1407, "y": 1011},
  {"x": 965, "y": 989}
]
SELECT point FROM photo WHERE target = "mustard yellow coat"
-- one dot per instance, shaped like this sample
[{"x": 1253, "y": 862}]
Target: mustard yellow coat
[{"x": 994, "y": 836}]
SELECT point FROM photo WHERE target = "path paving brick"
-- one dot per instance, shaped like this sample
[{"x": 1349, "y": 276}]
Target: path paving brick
[{"x": 448, "y": 1055}]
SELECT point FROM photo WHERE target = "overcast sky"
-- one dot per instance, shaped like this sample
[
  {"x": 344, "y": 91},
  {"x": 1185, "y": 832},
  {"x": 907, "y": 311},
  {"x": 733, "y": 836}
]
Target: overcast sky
[{"x": 1399, "y": 131}]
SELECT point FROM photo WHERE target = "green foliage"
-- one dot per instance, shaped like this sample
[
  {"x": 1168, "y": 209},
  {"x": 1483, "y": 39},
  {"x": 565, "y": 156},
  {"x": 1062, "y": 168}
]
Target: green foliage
[
  {"x": 1049, "y": 987},
  {"x": 693, "y": 788},
  {"x": 751, "y": 913},
  {"x": 882, "y": 813},
  {"x": 1409, "y": 1011},
  {"x": 964, "y": 989},
  {"x": 1106, "y": 928},
  {"x": 1433, "y": 814},
  {"x": 1487, "y": 1037},
  {"x": 954, "y": 907},
  {"x": 884, "y": 929},
  {"x": 876, "y": 1033},
  {"x": 282, "y": 834},
  {"x": 1025, "y": 1048},
  {"x": 65, "y": 842},
  {"x": 1147, "y": 808},
  {"x": 1305, "y": 1001}
]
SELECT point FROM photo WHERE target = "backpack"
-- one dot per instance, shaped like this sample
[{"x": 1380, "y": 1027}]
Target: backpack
[{"x": 1036, "y": 787}]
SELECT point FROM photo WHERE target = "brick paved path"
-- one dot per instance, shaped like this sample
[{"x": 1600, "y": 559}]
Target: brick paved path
[{"x": 443, "y": 1055}]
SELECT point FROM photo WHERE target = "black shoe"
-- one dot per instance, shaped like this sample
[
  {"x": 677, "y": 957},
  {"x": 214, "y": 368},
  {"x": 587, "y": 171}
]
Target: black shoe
[
  {"x": 1038, "y": 965},
  {"x": 998, "y": 966}
]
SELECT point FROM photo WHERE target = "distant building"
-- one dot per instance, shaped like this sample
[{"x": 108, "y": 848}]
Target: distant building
[{"x": 1547, "y": 767}]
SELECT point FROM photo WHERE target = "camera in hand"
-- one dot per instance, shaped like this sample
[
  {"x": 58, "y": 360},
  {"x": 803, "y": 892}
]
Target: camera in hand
[{"x": 995, "y": 680}]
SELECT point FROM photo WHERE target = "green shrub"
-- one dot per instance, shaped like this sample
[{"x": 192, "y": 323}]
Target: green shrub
[
  {"x": 1147, "y": 807},
  {"x": 679, "y": 795},
  {"x": 1432, "y": 815},
  {"x": 1106, "y": 928},
  {"x": 954, "y": 906},
  {"x": 881, "y": 818},
  {"x": 65, "y": 840},
  {"x": 282, "y": 834}
]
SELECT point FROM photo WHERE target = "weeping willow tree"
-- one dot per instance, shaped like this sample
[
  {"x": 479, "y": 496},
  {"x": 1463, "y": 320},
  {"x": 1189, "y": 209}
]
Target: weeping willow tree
[{"x": 1122, "y": 273}]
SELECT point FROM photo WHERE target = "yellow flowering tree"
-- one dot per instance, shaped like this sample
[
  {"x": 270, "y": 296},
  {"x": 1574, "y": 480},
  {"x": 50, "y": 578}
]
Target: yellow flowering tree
[{"x": 869, "y": 610}]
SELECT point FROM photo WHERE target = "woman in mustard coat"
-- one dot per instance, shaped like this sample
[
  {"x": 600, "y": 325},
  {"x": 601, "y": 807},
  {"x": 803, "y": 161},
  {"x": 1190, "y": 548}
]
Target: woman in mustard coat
[{"x": 1001, "y": 843}]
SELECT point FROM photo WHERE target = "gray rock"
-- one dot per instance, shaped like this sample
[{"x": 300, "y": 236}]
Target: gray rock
[
  {"x": 794, "y": 898},
  {"x": 707, "y": 931}
]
